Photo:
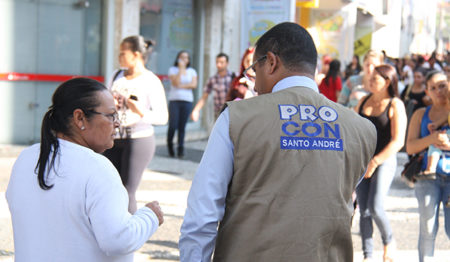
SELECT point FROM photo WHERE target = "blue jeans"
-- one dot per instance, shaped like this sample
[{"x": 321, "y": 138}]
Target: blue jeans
[
  {"x": 430, "y": 194},
  {"x": 178, "y": 116},
  {"x": 371, "y": 194}
]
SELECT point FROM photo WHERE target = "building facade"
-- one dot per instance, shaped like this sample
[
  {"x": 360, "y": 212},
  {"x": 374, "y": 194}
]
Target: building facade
[{"x": 45, "y": 42}]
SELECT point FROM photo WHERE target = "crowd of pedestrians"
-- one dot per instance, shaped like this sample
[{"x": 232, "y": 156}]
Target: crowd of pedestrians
[
  {"x": 279, "y": 170},
  {"x": 422, "y": 108}
]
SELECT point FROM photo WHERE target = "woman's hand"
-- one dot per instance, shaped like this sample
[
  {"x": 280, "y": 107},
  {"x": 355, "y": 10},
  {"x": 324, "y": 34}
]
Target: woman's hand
[
  {"x": 135, "y": 107},
  {"x": 432, "y": 127},
  {"x": 119, "y": 100},
  {"x": 154, "y": 206},
  {"x": 440, "y": 138},
  {"x": 373, "y": 164},
  {"x": 182, "y": 64}
]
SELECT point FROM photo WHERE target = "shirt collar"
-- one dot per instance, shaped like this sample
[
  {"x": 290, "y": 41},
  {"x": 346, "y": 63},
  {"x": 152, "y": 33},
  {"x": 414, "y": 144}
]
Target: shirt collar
[{"x": 295, "y": 81}]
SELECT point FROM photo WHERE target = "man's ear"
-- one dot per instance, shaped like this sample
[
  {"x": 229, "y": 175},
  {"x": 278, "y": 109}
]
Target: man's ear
[
  {"x": 79, "y": 118},
  {"x": 273, "y": 62}
]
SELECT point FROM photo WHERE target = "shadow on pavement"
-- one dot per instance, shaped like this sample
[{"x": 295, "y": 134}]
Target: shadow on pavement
[
  {"x": 161, "y": 255},
  {"x": 190, "y": 154},
  {"x": 163, "y": 243}
]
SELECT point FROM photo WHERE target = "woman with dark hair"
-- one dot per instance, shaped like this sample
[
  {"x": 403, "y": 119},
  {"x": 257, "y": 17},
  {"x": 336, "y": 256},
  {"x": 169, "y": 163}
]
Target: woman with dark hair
[
  {"x": 331, "y": 85},
  {"x": 183, "y": 79},
  {"x": 431, "y": 191},
  {"x": 66, "y": 200},
  {"x": 354, "y": 68},
  {"x": 141, "y": 103},
  {"x": 243, "y": 86},
  {"x": 414, "y": 96},
  {"x": 387, "y": 112}
]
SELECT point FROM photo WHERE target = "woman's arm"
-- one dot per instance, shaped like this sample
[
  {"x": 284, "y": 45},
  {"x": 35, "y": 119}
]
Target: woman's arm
[
  {"x": 397, "y": 116},
  {"x": 191, "y": 85},
  {"x": 175, "y": 79},
  {"x": 415, "y": 143}
]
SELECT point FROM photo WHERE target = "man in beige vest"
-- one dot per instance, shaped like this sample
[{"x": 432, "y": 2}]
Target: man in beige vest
[{"x": 279, "y": 169}]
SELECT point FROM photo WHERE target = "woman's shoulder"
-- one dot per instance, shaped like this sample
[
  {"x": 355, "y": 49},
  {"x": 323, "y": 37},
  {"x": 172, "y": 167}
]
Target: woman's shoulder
[
  {"x": 396, "y": 101},
  {"x": 192, "y": 71},
  {"x": 419, "y": 112},
  {"x": 149, "y": 74},
  {"x": 173, "y": 70}
]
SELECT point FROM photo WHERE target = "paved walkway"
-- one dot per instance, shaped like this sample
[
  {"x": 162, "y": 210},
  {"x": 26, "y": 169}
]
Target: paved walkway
[{"x": 168, "y": 180}]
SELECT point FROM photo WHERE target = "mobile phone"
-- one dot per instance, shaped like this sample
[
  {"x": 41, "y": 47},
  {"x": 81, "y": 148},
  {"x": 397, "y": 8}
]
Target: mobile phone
[{"x": 133, "y": 97}]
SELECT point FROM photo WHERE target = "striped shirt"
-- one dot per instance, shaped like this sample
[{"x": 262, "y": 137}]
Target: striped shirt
[{"x": 220, "y": 85}]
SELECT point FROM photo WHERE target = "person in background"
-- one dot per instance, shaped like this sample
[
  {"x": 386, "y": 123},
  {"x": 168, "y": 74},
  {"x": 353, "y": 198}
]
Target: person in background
[
  {"x": 387, "y": 112},
  {"x": 431, "y": 192},
  {"x": 324, "y": 66},
  {"x": 433, "y": 63},
  {"x": 141, "y": 103},
  {"x": 331, "y": 85},
  {"x": 243, "y": 86},
  {"x": 414, "y": 95},
  {"x": 264, "y": 180},
  {"x": 408, "y": 72},
  {"x": 357, "y": 86},
  {"x": 66, "y": 200},
  {"x": 218, "y": 84},
  {"x": 447, "y": 70},
  {"x": 354, "y": 68},
  {"x": 183, "y": 79}
]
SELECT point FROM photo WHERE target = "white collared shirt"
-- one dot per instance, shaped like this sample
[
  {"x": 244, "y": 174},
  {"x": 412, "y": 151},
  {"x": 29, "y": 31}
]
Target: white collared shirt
[{"x": 206, "y": 200}]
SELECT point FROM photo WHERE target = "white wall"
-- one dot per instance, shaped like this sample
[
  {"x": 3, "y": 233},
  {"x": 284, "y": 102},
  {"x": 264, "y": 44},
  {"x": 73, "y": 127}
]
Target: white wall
[{"x": 388, "y": 37}]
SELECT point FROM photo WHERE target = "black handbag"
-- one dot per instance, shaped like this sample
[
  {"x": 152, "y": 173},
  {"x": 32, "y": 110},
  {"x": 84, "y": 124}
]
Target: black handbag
[{"x": 412, "y": 168}]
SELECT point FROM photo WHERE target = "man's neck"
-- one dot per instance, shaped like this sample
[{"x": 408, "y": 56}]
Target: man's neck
[{"x": 222, "y": 73}]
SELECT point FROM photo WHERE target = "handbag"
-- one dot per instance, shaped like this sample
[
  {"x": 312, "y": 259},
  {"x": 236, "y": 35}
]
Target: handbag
[{"x": 412, "y": 168}]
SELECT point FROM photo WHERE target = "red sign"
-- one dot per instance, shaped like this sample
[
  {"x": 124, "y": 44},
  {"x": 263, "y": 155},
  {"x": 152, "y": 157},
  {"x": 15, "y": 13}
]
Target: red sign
[{"x": 12, "y": 76}]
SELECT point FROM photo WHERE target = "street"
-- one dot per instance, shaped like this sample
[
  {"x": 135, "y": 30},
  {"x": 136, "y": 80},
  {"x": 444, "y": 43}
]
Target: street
[{"x": 168, "y": 180}]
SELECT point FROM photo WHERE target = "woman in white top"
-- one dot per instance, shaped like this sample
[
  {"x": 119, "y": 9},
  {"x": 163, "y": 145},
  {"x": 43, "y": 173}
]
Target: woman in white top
[
  {"x": 141, "y": 103},
  {"x": 67, "y": 202},
  {"x": 183, "y": 79}
]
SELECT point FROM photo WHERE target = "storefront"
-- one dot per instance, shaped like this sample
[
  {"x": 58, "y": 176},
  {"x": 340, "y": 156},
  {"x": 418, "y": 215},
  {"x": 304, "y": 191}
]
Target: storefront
[
  {"x": 42, "y": 43},
  {"x": 45, "y": 42}
]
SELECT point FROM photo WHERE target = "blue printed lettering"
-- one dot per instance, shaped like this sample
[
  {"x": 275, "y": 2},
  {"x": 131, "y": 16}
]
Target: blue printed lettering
[
  {"x": 327, "y": 128},
  {"x": 286, "y": 124},
  {"x": 317, "y": 127}
]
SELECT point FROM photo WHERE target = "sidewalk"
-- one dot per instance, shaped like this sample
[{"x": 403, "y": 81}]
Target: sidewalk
[{"x": 168, "y": 180}]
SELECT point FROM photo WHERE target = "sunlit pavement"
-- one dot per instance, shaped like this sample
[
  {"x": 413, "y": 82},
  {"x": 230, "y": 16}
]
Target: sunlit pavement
[{"x": 168, "y": 180}]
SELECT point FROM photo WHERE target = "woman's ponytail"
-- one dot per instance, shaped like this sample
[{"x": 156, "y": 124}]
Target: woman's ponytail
[
  {"x": 48, "y": 142},
  {"x": 77, "y": 93}
]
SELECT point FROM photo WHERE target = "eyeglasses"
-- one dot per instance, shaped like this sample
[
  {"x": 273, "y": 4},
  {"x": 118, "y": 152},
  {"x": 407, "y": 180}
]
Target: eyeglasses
[
  {"x": 113, "y": 116},
  {"x": 245, "y": 73}
]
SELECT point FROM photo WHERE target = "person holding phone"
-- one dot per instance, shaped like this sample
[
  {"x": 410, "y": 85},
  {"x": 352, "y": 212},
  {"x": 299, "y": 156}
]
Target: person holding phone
[
  {"x": 141, "y": 103},
  {"x": 183, "y": 79}
]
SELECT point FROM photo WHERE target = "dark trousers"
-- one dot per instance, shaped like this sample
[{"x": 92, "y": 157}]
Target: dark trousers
[{"x": 178, "y": 116}]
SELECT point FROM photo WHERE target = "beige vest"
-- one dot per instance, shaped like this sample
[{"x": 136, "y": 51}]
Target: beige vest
[{"x": 297, "y": 159}]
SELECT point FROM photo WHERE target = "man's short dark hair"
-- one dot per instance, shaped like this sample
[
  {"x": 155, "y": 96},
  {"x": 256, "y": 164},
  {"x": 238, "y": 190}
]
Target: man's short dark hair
[
  {"x": 293, "y": 44},
  {"x": 222, "y": 55}
]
